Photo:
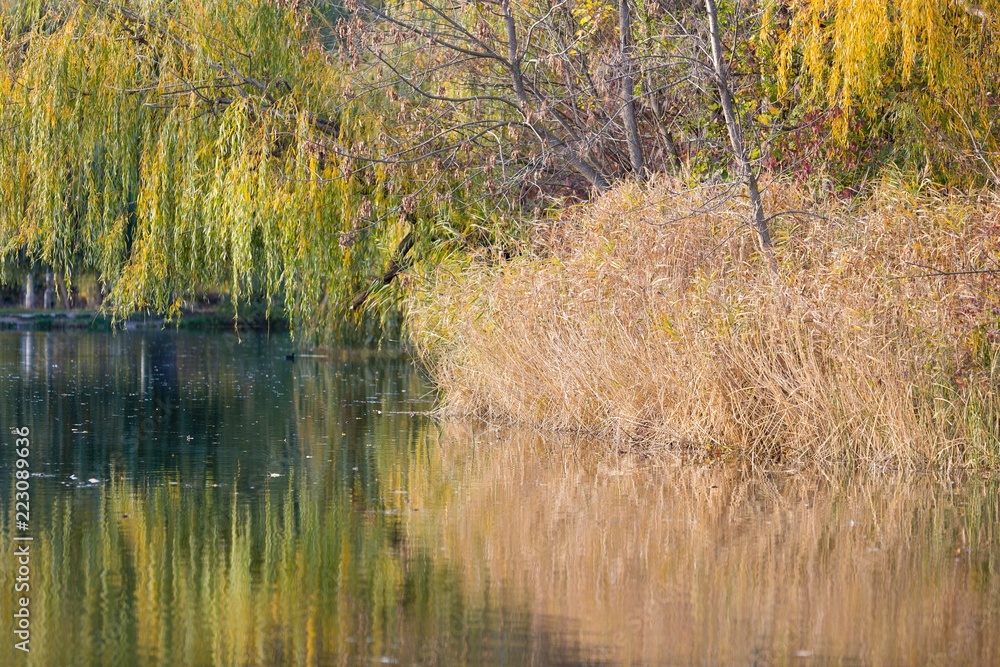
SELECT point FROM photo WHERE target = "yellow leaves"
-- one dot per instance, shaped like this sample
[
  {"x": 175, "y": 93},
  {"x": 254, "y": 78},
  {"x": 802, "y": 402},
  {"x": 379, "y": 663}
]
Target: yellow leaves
[
  {"x": 666, "y": 325},
  {"x": 767, "y": 116},
  {"x": 861, "y": 56},
  {"x": 593, "y": 16}
]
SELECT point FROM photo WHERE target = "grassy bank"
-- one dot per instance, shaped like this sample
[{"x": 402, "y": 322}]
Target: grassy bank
[{"x": 647, "y": 318}]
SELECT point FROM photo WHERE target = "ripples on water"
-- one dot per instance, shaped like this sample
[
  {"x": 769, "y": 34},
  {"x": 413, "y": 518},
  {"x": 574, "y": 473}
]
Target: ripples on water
[{"x": 247, "y": 510}]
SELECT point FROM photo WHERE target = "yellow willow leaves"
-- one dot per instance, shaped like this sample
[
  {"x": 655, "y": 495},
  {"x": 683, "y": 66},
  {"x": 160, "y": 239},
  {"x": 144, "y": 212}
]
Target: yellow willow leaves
[{"x": 858, "y": 55}]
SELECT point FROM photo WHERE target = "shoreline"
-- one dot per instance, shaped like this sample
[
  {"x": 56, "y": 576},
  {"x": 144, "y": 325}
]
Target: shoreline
[{"x": 58, "y": 319}]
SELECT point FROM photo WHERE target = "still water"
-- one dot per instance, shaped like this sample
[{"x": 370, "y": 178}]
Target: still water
[{"x": 199, "y": 500}]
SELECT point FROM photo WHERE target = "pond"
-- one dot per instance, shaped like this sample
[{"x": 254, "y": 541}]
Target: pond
[{"x": 197, "y": 499}]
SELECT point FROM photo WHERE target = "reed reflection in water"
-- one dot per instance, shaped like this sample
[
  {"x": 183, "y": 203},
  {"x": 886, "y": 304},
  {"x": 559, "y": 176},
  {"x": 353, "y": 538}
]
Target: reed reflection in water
[
  {"x": 252, "y": 511},
  {"x": 709, "y": 565}
]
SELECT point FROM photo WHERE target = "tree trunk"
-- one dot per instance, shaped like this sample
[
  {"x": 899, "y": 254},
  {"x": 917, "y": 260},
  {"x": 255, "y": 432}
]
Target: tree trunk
[
  {"x": 662, "y": 126},
  {"x": 62, "y": 293},
  {"x": 587, "y": 170},
  {"x": 397, "y": 263},
  {"x": 49, "y": 298},
  {"x": 736, "y": 134},
  {"x": 628, "y": 88},
  {"x": 29, "y": 291}
]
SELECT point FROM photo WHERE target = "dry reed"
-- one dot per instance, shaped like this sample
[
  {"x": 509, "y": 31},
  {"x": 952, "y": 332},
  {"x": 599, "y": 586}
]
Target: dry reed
[{"x": 648, "y": 317}]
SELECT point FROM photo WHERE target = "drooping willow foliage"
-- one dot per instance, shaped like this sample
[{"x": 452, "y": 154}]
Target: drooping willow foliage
[
  {"x": 921, "y": 75},
  {"x": 176, "y": 147},
  {"x": 306, "y": 152}
]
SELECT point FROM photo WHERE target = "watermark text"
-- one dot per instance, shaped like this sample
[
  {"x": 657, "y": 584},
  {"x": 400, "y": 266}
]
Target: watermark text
[{"x": 22, "y": 550}]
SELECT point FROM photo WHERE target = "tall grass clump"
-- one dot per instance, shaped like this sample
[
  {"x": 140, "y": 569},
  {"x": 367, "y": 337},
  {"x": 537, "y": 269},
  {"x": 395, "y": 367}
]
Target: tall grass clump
[{"x": 648, "y": 318}]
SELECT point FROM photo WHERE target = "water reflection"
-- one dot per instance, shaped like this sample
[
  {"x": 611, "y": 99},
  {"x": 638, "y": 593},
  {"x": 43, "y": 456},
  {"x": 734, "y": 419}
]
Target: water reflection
[
  {"x": 689, "y": 565},
  {"x": 253, "y": 511},
  {"x": 27, "y": 350}
]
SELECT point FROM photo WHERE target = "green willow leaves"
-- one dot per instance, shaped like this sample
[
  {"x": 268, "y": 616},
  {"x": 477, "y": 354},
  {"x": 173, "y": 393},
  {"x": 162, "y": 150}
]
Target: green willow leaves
[{"x": 178, "y": 147}]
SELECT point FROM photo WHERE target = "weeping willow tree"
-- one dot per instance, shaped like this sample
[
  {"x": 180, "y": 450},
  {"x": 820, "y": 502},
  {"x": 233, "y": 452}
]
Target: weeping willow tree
[
  {"x": 924, "y": 75},
  {"x": 174, "y": 147}
]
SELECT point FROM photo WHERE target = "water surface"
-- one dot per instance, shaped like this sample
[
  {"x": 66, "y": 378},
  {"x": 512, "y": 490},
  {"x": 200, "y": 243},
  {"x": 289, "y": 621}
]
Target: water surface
[{"x": 198, "y": 500}]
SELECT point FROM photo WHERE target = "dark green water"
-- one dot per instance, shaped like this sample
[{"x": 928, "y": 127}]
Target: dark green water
[{"x": 196, "y": 500}]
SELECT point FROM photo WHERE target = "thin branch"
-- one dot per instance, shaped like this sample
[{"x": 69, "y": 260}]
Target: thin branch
[{"x": 935, "y": 273}]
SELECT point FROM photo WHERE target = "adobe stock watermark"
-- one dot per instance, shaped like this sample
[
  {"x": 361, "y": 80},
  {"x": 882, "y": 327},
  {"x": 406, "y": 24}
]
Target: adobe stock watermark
[{"x": 22, "y": 539}]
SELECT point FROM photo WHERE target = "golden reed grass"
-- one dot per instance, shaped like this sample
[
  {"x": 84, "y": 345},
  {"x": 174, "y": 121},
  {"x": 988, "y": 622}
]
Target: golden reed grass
[{"x": 648, "y": 317}]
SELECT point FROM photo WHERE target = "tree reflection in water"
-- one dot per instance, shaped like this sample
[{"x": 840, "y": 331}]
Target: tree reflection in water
[{"x": 254, "y": 511}]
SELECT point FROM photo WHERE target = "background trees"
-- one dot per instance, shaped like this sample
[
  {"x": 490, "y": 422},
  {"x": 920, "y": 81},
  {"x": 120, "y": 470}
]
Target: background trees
[{"x": 314, "y": 151}]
